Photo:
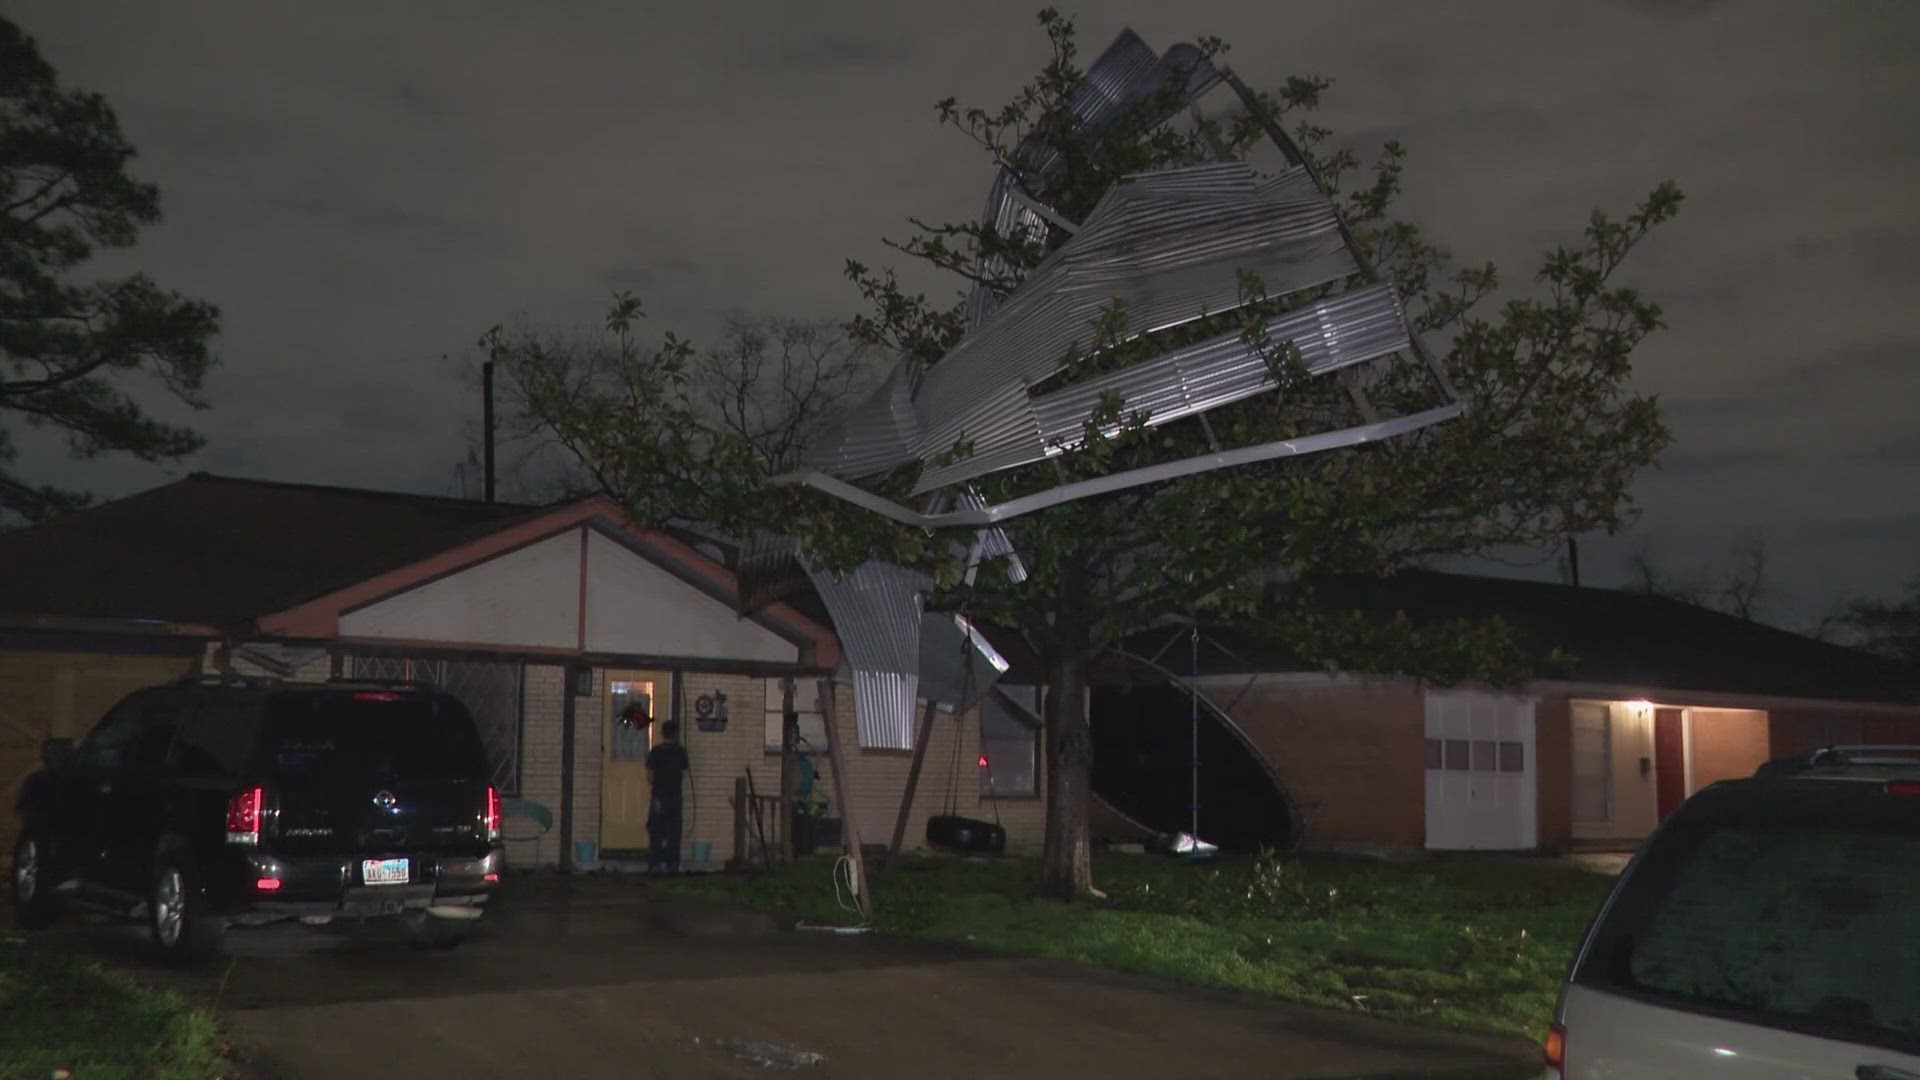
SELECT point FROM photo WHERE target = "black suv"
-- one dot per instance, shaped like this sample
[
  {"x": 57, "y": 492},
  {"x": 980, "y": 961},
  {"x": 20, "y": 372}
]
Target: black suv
[{"x": 216, "y": 802}]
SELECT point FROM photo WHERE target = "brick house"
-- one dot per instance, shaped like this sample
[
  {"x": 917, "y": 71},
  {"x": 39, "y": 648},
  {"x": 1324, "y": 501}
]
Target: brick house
[
  {"x": 510, "y": 607},
  {"x": 1657, "y": 699}
]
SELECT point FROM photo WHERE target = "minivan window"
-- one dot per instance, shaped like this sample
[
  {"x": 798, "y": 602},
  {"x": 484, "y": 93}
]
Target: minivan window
[
  {"x": 1815, "y": 929},
  {"x": 375, "y": 735}
]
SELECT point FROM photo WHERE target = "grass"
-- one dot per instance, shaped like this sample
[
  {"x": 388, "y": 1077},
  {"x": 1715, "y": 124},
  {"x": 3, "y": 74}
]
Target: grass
[
  {"x": 60, "y": 1013},
  {"x": 1459, "y": 942}
]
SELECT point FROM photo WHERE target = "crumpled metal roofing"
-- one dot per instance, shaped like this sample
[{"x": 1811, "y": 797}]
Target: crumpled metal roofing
[
  {"x": 1169, "y": 247},
  {"x": 1128, "y": 73}
]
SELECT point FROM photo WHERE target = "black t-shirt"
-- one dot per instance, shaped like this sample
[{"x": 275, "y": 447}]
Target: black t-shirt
[{"x": 668, "y": 764}]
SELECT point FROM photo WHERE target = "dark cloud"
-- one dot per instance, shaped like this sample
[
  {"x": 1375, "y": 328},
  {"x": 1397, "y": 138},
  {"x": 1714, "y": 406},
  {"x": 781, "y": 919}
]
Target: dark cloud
[
  {"x": 838, "y": 51},
  {"x": 359, "y": 184},
  {"x": 185, "y": 130},
  {"x": 1904, "y": 450},
  {"x": 1668, "y": 11},
  {"x": 1690, "y": 462},
  {"x": 1903, "y": 529}
]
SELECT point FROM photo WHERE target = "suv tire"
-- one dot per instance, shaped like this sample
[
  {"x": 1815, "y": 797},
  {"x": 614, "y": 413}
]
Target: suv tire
[
  {"x": 34, "y": 905},
  {"x": 174, "y": 911}
]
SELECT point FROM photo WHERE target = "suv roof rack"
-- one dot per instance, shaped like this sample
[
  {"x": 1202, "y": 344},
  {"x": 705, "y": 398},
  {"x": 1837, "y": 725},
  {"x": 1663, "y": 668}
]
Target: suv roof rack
[
  {"x": 1866, "y": 754},
  {"x": 247, "y": 682},
  {"x": 398, "y": 684},
  {"x": 1843, "y": 756}
]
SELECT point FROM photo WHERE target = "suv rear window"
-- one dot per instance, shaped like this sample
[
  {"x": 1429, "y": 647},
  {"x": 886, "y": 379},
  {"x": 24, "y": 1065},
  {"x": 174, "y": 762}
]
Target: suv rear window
[
  {"x": 1814, "y": 929},
  {"x": 362, "y": 734}
]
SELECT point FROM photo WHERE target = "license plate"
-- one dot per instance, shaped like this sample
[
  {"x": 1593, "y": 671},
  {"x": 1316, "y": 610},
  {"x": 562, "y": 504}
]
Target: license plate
[{"x": 384, "y": 871}]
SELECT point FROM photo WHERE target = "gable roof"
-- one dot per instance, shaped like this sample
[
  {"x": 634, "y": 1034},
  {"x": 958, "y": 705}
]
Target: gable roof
[
  {"x": 1612, "y": 636},
  {"x": 215, "y": 554},
  {"x": 223, "y": 551}
]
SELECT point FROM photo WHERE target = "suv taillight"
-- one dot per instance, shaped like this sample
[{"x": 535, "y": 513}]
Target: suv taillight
[
  {"x": 493, "y": 813},
  {"x": 1903, "y": 787},
  {"x": 243, "y": 817},
  {"x": 1556, "y": 1052}
]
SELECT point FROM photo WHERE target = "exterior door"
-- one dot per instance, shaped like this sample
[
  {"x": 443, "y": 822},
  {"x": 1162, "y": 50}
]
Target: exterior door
[
  {"x": 1669, "y": 760},
  {"x": 1481, "y": 792},
  {"x": 632, "y": 697}
]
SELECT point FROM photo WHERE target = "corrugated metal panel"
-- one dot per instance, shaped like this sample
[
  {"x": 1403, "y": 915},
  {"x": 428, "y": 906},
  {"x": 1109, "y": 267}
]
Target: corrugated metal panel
[
  {"x": 880, "y": 433},
  {"x": 769, "y": 570},
  {"x": 957, "y": 664},
  {"x": 1126, "y": 73},
  {"x": 1338, "y": 332},
  {"x": 876, "y": 612},
  {"x": 994, "y": 542}
]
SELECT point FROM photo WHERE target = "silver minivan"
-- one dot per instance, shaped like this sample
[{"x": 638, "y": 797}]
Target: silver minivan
[{"x": 1769, "y": 930}]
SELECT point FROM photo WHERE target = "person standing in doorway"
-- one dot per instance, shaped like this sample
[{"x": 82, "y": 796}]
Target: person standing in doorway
[{"x": 667, "y": 769}]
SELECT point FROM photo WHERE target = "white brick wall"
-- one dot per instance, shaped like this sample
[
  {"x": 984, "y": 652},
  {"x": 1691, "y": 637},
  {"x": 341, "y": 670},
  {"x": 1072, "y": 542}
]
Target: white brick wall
[{"x": 540, "y": 746}]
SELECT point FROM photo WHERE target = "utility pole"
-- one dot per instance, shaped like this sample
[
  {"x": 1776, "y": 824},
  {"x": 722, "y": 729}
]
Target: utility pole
[
  {"x": 486, "y": 424},
  {"x": 1573, "y": 560}
]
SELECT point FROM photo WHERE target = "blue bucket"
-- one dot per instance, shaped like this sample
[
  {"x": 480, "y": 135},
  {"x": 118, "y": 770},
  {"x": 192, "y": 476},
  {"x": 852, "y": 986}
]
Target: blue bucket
[
  {"x": 702, "y": 851},
  {"x": 585, "y": 854}
]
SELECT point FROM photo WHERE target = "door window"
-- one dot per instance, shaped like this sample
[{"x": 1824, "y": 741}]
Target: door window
[
  {"x": 152, "y": 739},
  {"x": 636, "y": 709},
  {"x": 105, "y": 747}
]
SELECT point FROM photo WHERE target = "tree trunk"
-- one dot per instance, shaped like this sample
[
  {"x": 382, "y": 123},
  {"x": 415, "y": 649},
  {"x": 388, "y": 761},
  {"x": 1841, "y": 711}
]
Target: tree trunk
[{"x": 1067, "y": 866}]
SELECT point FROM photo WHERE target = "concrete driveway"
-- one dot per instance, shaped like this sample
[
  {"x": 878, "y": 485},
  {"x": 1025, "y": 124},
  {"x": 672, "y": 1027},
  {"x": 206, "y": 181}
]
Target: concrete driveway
[{"x": 629, "y": 988}]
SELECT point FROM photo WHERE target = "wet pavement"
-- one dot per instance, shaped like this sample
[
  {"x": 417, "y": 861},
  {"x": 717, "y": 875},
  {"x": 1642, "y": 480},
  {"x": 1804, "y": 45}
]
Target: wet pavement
[{"x": 627, "y": 987}]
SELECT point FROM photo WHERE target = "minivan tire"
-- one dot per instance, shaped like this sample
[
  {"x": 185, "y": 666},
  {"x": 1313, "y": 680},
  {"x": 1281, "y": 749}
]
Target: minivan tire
[
  {"x": 34, "y": 905},
  {"x": 175, "y": 903}
]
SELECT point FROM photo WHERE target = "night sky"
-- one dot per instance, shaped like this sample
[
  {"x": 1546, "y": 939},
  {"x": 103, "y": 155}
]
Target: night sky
[{"x": 365, "y": 188}]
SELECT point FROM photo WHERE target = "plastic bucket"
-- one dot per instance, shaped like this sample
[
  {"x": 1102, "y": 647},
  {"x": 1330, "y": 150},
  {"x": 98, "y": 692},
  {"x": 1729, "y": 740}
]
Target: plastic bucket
[
  {"x": 702, "y": 850},
  {"x": 585, "y": 853}
]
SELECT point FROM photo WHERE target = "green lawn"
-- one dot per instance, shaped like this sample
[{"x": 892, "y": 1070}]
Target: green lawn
[
  {"x": 1475, "y": 943},
  {"x": 58, "y": 1013}
]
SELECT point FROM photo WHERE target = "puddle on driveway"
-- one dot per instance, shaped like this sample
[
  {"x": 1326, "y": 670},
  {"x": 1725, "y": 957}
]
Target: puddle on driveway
[{"x": 764, "y": 1054}]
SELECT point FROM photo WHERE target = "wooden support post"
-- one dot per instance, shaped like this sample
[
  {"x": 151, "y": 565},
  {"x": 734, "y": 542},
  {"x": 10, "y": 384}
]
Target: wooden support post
[
  {"x": 842, "y": 782},
  {"x": 568, "y": 711},
  {"x": 789, "y": 766},
  {"x": 740, "y": 812},
  {"x": 913, "y": 783}
]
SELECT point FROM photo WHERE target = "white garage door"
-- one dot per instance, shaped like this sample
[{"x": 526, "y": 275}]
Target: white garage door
[{"x": 1480, "y": 771}]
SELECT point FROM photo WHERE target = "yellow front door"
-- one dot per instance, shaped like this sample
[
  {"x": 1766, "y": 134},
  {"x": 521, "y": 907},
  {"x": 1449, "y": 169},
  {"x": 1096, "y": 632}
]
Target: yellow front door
[{"x": 624, "y": 789}]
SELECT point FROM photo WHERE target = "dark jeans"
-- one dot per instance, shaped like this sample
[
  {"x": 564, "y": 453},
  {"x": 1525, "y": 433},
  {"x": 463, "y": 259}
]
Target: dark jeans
[{"x": 663, "y": 828}]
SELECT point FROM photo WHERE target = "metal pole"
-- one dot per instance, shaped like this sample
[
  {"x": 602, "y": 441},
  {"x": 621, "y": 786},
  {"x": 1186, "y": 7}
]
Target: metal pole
[
  {"x": 568, "y": 710},
  {"x": 486, "y": 423},
  {"x": 789, "y": 733},
  {"x": 1193, "y": 720},
  {"x": 1573, "y": 559},
  {"x": 842, "y": 783}
]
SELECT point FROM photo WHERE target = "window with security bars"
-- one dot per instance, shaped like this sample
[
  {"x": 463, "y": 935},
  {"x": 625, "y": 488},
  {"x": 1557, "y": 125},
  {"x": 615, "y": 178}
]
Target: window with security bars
[{"x": 491, "y": 691}]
